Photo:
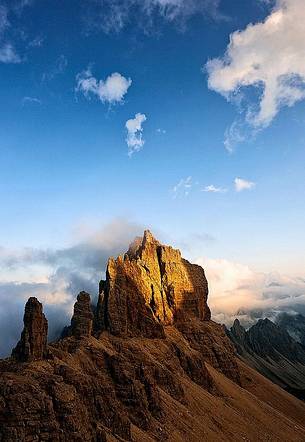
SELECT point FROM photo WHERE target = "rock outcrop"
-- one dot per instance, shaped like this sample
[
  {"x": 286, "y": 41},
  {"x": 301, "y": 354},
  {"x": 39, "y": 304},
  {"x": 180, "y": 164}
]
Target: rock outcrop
[
  {"x": 82, "y": 320},
  {"x": 151, "y": 286},
  {"x": 33, "y": 342}
]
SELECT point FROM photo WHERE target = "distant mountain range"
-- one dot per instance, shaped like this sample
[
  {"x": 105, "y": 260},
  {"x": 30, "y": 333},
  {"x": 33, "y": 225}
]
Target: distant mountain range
[
  {"x": 294, "y": 325},
  {"x": 276, "y": 350}
]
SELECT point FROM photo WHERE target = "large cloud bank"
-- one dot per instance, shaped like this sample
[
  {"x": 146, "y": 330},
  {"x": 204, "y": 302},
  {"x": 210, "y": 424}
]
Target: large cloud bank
[
  {"x": 237, "y": 291},
  {"x": 269, "y": 56}
]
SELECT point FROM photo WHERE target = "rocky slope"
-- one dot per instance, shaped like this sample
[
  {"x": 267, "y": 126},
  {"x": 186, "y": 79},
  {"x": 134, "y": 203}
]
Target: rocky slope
[
  {"x": 269, "y": 348},
  {"x": 148, "y": 364}
]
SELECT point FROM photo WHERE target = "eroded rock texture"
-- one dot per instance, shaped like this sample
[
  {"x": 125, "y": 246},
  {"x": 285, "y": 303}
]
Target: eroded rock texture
[
  {"x": 33, "y": 342},
  {"x": 82, "y": 320},
  {"x": 150, "y": 286}
]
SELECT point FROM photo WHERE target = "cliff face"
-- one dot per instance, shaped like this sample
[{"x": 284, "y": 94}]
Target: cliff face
[
  {"x": 150, "y": 286},
  {"x": 148, "y": 365}
]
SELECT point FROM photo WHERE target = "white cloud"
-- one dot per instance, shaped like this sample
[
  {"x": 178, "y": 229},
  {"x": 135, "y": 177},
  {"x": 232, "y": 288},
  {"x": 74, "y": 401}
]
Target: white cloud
[
  {"x": 134, "y": 128},
  {"x": 183, "y": 187},
  {"x": 213, "y": 189},
  {"x": 235, "y": 290},
  {"x": 241, "y": 184},
  {"x": 112, "y": 90},
  {"x": 8, "y": 54},
  {"x": 269, "y": 56},
  {"x": 161, "y": 131}
]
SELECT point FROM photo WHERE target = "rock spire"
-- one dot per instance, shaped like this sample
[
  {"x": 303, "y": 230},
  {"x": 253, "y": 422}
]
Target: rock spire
[{"x": 33, "y": 342}]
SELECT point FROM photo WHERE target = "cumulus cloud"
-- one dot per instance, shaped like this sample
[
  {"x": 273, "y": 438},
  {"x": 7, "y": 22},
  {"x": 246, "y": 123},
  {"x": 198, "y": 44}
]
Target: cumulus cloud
[
  {"x": 112, "y": 90},
  {"x": 241, "y": 184},
  {"x": 268, "y": 56},
  {"x": 114, "y": 15},
  {"x": 134, "y": 138},
  {"x": 238, "y": 291},
  {"x": 183, "y": 187},
  {"x": 55, "y": 277},
  {"x": 213, "y": 189}
]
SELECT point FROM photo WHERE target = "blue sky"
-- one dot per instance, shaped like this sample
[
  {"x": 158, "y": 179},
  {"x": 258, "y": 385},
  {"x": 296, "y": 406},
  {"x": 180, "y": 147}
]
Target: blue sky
[{"x": 64, "y": 162}]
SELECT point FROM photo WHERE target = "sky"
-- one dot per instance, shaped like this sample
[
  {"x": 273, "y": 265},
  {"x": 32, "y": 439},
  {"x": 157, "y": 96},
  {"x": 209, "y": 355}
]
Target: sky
[{"x": 186, "y": 117}]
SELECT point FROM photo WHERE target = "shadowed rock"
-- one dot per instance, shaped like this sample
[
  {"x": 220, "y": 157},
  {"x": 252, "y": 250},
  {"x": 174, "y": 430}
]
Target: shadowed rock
[
  {"x": 82, "y": 320},
  {"x": 33, "y": 342},
  {"x": 273, "y": 352}
]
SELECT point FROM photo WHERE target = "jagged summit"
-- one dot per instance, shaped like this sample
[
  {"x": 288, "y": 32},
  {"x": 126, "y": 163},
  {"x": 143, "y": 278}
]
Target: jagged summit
[
  {"x": 140, "y": 242},
  {"x": 150, "y": 286}
]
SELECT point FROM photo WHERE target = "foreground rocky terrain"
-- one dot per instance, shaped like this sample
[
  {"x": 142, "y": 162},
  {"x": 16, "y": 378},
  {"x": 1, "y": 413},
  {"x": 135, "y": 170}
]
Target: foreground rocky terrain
[
  {"x": 146, "y": 363},
  {"x": 271, "y": 350}
]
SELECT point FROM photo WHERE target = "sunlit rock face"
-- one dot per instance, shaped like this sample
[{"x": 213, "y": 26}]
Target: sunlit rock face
[{"x": 151, "y": 286}]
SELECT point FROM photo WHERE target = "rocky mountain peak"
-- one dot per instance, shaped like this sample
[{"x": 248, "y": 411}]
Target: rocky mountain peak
[
  {"x": 238, "y": 330},
  {"x": 151, "y": 286},
  {"x": 33, "y": 341}
]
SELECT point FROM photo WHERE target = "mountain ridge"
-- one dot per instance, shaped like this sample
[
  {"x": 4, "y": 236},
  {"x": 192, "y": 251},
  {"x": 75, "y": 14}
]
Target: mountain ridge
[{"x": 147, "y": 364}]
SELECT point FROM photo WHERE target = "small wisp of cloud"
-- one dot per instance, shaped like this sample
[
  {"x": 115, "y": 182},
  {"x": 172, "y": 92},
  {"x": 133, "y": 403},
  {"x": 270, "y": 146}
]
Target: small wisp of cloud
[
  {"x": 241, "y": 184},
  {"x": 112, "y": 16},
  {"x": 58, "y": 68},
  {"x": 30, "y": 100},
  {"x": 183, "y": 187},
  {"x": 213, "y": 189},
  {"x": 8, "y": 54},
  {"x": 134, "y": 138},
  {"x": 234, "y": 135},
  {"x": 112, "y": 90}
]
